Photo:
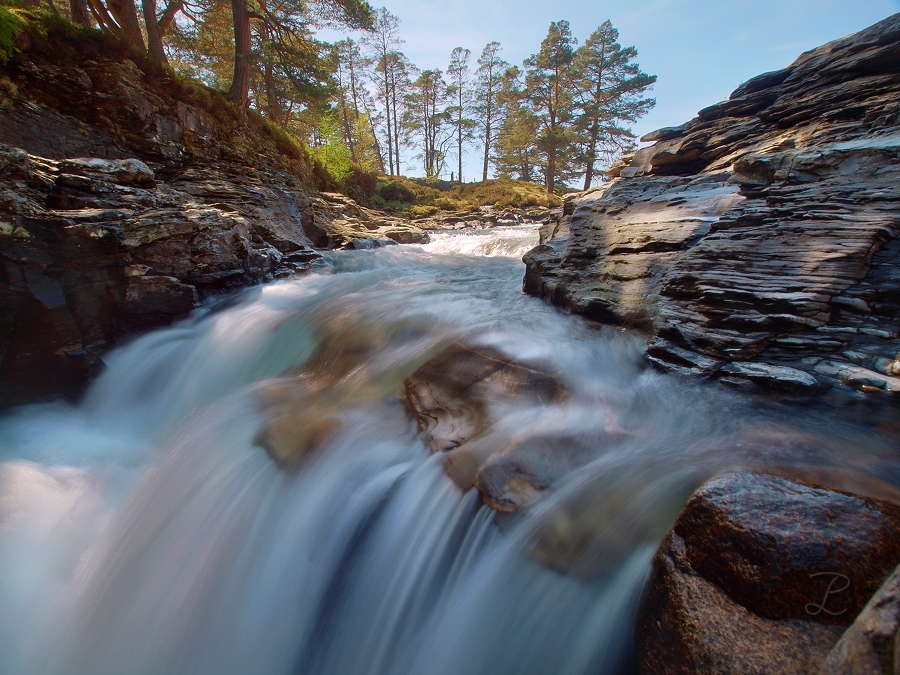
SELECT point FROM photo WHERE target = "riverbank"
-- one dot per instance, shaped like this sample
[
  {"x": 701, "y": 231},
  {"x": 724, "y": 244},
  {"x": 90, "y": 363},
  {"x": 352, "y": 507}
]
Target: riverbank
[
  {"x": 758, "y": 243},
  {"x": 128, "y": 196}
]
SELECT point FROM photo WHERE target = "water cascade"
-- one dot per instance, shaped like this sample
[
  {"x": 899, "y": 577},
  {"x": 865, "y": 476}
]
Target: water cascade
[{"x": 145, "y": 530}]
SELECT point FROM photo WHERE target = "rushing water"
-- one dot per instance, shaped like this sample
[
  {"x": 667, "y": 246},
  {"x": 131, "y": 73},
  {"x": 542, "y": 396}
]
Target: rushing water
[{"x": 145, "y": 531}]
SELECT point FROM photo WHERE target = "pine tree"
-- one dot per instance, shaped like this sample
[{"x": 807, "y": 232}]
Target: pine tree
[
  {"x": 488, "y": 111},
  {"x": 429, "y": 119},
  {"x": 381, "y": 43},
  {"x": 548, "y": 89},
  {"x": 286, "y": 24},
  {"x": 460, "y": 90},
  {"x": 610, "y": 91},
  {"x": 516, "y": 148}
]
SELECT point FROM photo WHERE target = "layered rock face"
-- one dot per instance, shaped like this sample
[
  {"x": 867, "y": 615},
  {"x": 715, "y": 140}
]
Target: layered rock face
[
  {"x": 126, "y": 210},
  {"x": 759, "y": 241}
]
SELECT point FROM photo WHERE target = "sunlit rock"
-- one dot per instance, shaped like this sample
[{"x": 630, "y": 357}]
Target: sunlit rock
[{"x": 761, "y": 235}]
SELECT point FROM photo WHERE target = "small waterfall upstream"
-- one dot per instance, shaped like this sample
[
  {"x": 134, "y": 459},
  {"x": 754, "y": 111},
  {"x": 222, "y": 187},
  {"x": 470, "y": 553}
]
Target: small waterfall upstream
[{"x": 144, "y": 530}]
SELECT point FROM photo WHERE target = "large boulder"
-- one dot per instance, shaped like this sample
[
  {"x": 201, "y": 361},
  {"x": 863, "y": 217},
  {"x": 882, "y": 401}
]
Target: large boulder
[
  {"x": 761, "y": 574},
  {"x": 870, "y": 644},
  {"x": 757, "y": 243}
]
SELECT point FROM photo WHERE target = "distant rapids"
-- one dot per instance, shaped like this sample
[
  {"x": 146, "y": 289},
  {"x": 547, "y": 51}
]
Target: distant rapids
[{"x": 145, "y": 531}]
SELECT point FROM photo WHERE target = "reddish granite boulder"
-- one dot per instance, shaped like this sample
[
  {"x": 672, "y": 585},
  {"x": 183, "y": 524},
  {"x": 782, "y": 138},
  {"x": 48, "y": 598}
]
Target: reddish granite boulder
[{"x": 759, "y": 573}]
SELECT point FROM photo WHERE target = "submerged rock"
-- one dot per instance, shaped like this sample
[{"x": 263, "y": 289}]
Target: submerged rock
[
  {"x": 758, "y": 242},
  {"x": 760, "y": 574},
  {"x": 459, "y": 398},
  {"x": 298, "y": 420}
]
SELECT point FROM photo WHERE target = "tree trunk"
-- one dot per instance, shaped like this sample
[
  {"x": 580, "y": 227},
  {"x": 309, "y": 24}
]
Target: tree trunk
[
  {"x": 396, "y": 125},
  {"x": 80, "y": 14},
  {"x": 125, "y": 14},
  {"x": 459, "y": 152},
  {"x": 390, "y": 133},
  {"x": 273, "y": 110},
  {"x": 551, "y": 171},
  {"x": 487, "y": 143},
  {"x": 168, "y": 15},
  {"x": 154, "y": 39},
  {"x": 104, "y": 20},
  {"x": 591, "y": 158},
  {"x": 240, "y": 83}
]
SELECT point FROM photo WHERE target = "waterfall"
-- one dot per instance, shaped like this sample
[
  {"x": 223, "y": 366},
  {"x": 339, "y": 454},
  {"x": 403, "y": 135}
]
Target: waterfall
[{"x": 144, "y": 530}]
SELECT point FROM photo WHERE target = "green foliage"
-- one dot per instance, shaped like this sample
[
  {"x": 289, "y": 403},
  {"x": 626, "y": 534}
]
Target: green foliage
[
  {"x": 396, "y": 190},
  {"x": 331, "y": 151},
  {"x": 423, "y": 211},
  {"x": 10, "y": 27}
]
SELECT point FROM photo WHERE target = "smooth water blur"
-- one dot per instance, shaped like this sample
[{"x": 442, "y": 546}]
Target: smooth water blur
[{"x": 145, "y": 531}]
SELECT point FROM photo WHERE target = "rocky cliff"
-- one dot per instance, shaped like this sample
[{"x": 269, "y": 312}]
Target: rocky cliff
[
  {"x": 128, "y": 195},
  {"x": 759, "y": 241}
]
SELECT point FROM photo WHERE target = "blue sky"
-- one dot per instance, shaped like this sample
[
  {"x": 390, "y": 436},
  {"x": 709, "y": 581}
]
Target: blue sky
[{"x": 699, "y": 49}]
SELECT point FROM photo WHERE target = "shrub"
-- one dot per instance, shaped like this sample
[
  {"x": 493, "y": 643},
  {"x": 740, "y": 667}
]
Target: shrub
[
  {"x": 395, "y": 190},
  {"x": 446, "y": 204},
  {"x": 422, "y": 211},
  {"x": 361, "y": 184}
]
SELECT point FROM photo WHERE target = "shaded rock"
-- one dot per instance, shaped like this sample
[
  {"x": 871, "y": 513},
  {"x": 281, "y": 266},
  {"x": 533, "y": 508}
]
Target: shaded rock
[
  {"x": 762, "y": 235},
  {"x": 688, "y": 625},
  {"x": 759, "y": 573},
  {"x": 870, "y": 645},
  {"x": 762, "y": 538},
  {"x": 781, "y": 377}
]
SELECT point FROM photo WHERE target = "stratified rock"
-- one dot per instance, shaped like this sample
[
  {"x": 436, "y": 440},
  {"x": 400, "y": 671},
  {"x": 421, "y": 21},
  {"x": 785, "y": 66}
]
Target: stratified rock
[
  {"x": 760, "y": 236},
  {"x": 126, "y": 200},
  {"x": 759, "y": 574},
  {"x": 870, "y": 644}
]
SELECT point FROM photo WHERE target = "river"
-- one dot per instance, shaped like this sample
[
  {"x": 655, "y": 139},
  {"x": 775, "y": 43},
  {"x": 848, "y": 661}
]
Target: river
[{"x": 145, "y": 531}]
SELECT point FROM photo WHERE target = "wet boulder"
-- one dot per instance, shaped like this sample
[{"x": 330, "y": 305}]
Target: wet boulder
[
  {"x": 453, "y": 393},
  {"x": 869, "y": 645},
  {"x": 297, "y": 422},
  {"x": 761, "y": 574},
  {"x": 471, "y": 403}
]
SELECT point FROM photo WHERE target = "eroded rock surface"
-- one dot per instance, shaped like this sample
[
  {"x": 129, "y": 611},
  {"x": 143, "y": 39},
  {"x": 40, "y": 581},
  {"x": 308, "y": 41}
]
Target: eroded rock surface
[
  {"x": 759, "y": 241},
  {"x": 761, "y": 574},
  {"x": 125, "y": 201}
]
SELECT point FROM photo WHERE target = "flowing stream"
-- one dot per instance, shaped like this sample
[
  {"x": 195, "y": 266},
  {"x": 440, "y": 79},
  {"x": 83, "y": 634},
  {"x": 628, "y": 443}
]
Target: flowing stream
[{"x": 144, "y": 530}]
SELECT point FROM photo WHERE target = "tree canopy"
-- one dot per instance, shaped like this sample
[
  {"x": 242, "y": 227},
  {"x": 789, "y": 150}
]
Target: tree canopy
[{"x": 564, "y": 114}]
